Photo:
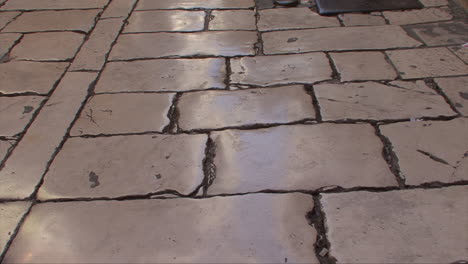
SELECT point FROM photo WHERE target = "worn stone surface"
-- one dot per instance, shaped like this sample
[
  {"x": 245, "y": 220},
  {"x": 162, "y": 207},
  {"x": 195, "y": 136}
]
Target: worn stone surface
[
  {"x": 461, "y": 52},
  {"x": 370, "y": 100},
  {"x": 433, "y": 62},
  {"x": 39, "y": 77},
  {"x": 7, "y": 41},
  {"x": 281, "y": 69},
  {"x": 173, "y": 75},
  {"x": 124, "y": 113},
  {"x": 300, "y": 157},
  {"x": 118, "y": 8},
  {"x": 418, "y": 16},
  {"x": 233, "y": 20},
  {"x": 194, "y": 4},
  {"x": 457, "y": 91},
  {"x": 52, "y": 4},
  {"x": 293, "y": 18},
  {"x": 339, "y": 38},
  {"x": 361, "y": 20},
  {"x": 166, "y": 20},
  {"x": 217, "y": 109},
  {"x": 11, "y": 214},
  {"x": 446, "y": 33},
  {"x": 409, "y": 226},
  {"x": 264, "y": 228},
  {"x": 431, "y": 151},
  {"x": 16, "y": 113},
  {"x": 43, "y": 137},
  {"x": 126, "y": 165},
  {"x": 355, "y": 66},
  {"x": 6, "y": 17},
  {"x": 156, "y": 45},
  {"x": 81, "y": 20},
  {"x": 430, "y": 3},
  {"x": 48, "y": 46},
  {"x": 4, "y": 147},
  {"x": 92, "y": 55}
]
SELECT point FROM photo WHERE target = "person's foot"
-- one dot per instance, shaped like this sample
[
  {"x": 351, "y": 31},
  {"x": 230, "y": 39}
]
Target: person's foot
[{"x": 287, "y": 2}]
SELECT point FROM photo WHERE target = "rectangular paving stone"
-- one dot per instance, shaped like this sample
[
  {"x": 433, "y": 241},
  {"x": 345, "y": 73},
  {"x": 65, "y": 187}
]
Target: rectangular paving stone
[
  {"x": 359, "y": 66},
  {"x": 157, "y": 45},
  {"x": 130, "y": 231},
  {"x": 432, "y": 62},
  {"x": 11, "y": 214},
  {"x": 81, "y": 20},
  {"x": 92, "y": 55},
  {"x": 52, "y": 4},
  {"x": 281, "y": 69},
  {"x": 217, "y": 109},
  {"x": 4, "y": 147},
  {"x": 293, "y": 18},
  {"x": 194, "y": 4},
  {"x": 461, "y": 52},
  {"x": 408, "y": 226},
  {"x": 375, "y": 101},
  {"x": 232, "y": 20},
  {"x": 299, "y": 157},
  {"x": 457, "y": 91},
  {"x": 6, "y": 17},
  {"x": 124, "y": 113},
  {"x": 339, "y": 38},
  {"x": 16, "y": 113},
  {"x": 118, "y": 8},
  {"x": 362, "y": 20},
  {"x": 172, "y": 75},
  {"x": 7, "y": 41},
  {"x": 418, "y": 16},
  {"x": 43, "y": 137},
  {"x": 166, "y": 20},
  {"x": 48, "y": 46},
  {"x": 126, "y": 165},
  {"x": 446, "y": 33},
  {"x": 431, "y": 151},
  {"x": 22, "y": 76}
]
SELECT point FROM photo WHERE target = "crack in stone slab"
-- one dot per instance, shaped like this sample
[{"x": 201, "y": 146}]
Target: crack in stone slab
[{"x": 434, "y": 157}]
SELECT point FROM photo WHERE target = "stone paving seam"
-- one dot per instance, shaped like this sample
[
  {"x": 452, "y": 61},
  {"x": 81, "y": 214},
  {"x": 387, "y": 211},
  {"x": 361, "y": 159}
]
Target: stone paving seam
[
  {"x": 432, "y": 84},
  {"x": 209, "y": 166},
  {"x": 4, "y": 250},
  {"x": 318, "y": 112},
  {"x": 317, "y": 219},
  {"x": 14, "y": 18},
  {"x": 6, "y": 57},
  {"x": 173, "y": 116}
]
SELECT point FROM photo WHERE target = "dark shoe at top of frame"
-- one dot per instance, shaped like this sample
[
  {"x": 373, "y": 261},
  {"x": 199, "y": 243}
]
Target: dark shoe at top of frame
[{"x": 287, "y": 2}]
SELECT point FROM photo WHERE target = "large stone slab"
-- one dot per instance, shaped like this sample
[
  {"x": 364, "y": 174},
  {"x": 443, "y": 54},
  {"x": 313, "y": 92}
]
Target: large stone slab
[
  {"x": 170, "y": 75},
  {"x": 52, "y": 4},
  {"x": 218, "y": 109},
  {"x": 300, "y": 157},
  {"x": 431, "y": 151},
  {"x": 422, "y": 63},
  {"x": 166, "y": 20},
  {"x": 16, "y": 113},
  {"x": 457, "y": 91},
  {"x": 194, "y": 4},
  {"x": 44, "y": 136},
  {"x": 7, "y": 41},
  {"x": 359, "y": 66},
  {"x": 232, "y": 20},
  {"x": 48, "y": 46},
  {"x": 371, "y": 100},
  {"x": 281, "y": 69},
  {"x": 93, "y": 54},
  {"x": 263, "y": 228},
  {"x": 21, "y": 77},
  {"x": 293, "y": 18},
  {"x": 339, "y": 38},
  {"x": 124, "y": 113},
  {"x": 126, "y": 165},
  {"x": 157, "y": 45},
  {"x": 447, "y": 33},
  {"x": 410, "y": 226},
  {"x": 81, "y": 20},
  {"x": 418, "y": 16},
  {"x": 11, "y": 214}
]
